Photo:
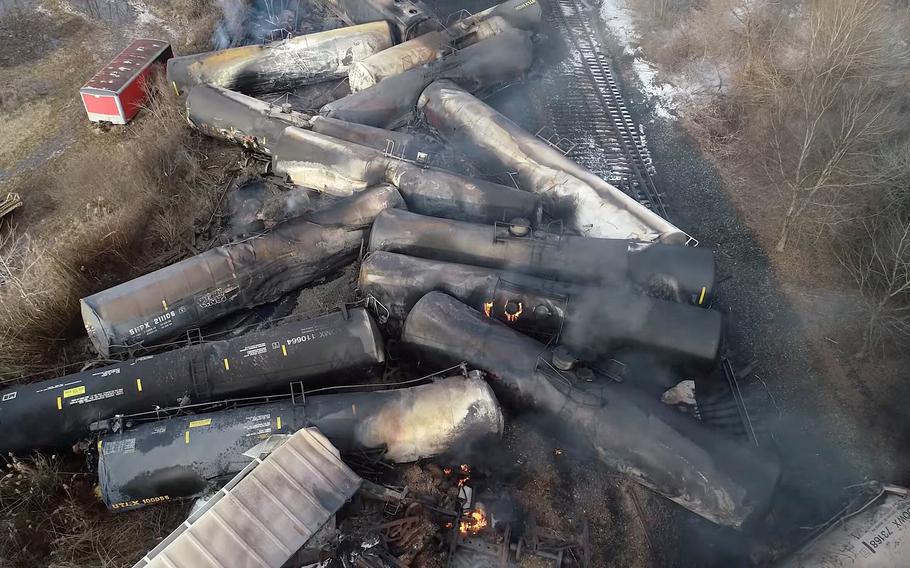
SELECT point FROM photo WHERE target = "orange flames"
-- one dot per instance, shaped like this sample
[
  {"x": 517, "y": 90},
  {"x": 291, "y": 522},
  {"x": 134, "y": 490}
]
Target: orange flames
[
  {"x": 473, "y": 522},
  {"x": 488, "y": 309},
  {"x": 516, "y": 315}
]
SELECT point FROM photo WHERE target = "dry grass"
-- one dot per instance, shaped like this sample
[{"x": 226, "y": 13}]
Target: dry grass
[
  {"x": 149, "y": 202},
  {"x": 52, "y": 518}
]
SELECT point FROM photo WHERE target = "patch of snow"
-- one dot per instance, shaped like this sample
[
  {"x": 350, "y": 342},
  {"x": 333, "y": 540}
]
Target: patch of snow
[
  {"x": 620, "y": 21},
  {"x": 145, "y": 18}
]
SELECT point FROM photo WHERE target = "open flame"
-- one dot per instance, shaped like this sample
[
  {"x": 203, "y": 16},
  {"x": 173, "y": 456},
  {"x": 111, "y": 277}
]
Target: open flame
[
  {"x": 473, "y": 522},
  {"x": 488, "y": 309},
  {"x": 516, "y": 315},
  {"x": 465, "y": 474}
]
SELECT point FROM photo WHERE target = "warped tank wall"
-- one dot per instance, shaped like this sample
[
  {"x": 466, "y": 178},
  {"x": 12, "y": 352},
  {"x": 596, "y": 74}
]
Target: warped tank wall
[
  {"x": 196, "y": 291},
  {"x": 597, "y": 208},
  {"x": 655, "y": 445},
  {"x": 282, "y": 65},
  {"x": 56, "y": 413},
  {"x": 593, "y": 322},
  {"x": 180, "y": 457},
  {"x": 396, "y": 143},
  {"x": 392, "y": 102},
  {"x": 684, "y": 274},
  {"x": 250, "y": 122},
  {"x": 430, "y": 46},
  {"x": 407, "y": 18},
  {"x": 313, "y": 160}
]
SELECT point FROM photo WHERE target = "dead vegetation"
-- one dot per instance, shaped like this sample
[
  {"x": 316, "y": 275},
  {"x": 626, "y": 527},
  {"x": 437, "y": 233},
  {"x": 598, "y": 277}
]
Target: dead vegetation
[
  {"x": 803, "y": 103},
  {"x": 161, "y": 189},
  {"x": 52, "y": 518}
]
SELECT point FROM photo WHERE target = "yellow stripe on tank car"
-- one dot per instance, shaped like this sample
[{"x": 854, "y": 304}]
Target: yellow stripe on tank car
[
  {"x": 278, "y": 423},
  {"x": 284, "y": 350},
  {"x": 59, "y": 403},
  {"x": 139, "y": 385},
  {"x": 198, "y": 423},
  {"x": 227, "y": 365},
  {"x": 186, "y": 436},
  {"x": 701, "y": 298}
]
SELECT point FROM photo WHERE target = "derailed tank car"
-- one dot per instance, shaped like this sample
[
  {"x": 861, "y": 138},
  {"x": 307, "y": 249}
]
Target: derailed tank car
[
  {"x": 597, "y": 208},
  {"x": 593, "y": 322},
  {"x": 314, "y": 160},
  {"x": 186, "y": 295},
  {"x": 520, "y": 14},
  {"x": 281, "y": 65},
  {"x": 407, "y": 18},
  {"x": 54, "y": 414},
  {"x": 182, "y": 456},
  {"x": 391, "y": 103},
  {"x": 705, "y": 472},
  {"x": 684, "y": 274}
]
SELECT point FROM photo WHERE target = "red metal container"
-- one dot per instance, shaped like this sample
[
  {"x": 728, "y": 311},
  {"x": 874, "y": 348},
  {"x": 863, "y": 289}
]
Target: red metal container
[{"x": 116, "y": 92}]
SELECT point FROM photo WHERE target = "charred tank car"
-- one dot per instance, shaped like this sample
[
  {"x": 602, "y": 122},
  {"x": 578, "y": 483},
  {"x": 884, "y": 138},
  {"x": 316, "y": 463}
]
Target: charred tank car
[
  {"x": 594, "y": 322},
  {"x": 196, "y": 291},
  {"x": 701, "y": 470},
  {"x": 57, "y": 413},
  {"x": 680, "y": 273},
  {"x": 182, "y": 456},
  {"x": 407, "y": 18}
]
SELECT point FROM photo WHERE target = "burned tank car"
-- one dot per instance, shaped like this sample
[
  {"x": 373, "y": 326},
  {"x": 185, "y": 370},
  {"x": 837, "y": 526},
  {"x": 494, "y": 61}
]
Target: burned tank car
[
  {"x": 254, "y": 124},
  {"x": 408, "y": 19},
  {"x": 593, "y": 321},
  {"x": 281, "y": 65},
  {"x": 674, "y": 272},
  {"x": 57, "y": 413},
  {"x": 196, "y": 291},
  {"x": 182, "y": 456},
  {"x": 711, "y": 475}
]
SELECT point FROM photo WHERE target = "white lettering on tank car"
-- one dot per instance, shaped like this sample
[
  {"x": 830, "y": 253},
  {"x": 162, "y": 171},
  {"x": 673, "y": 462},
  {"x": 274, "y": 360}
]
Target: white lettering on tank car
[
  {"x": 253, "y": 350},
  {"x": 126, "y": 446},
  {"x": 9, "y": 396},
  {"x": 107, "y": 372},
  {"x": 96, "y": 397}
]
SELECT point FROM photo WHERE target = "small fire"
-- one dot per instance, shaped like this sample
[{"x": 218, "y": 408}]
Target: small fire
[
  {"x": 488, "y": 309},
  {"x": 465, "y": 468},
  {"x": 447, "y": 470},
  {"x": 516, "y": 315},
  {"x": 473, "y": 522}
]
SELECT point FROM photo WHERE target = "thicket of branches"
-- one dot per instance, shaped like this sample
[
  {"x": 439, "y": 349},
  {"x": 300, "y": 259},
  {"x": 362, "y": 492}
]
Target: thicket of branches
[{"x": 808, "y": 99}]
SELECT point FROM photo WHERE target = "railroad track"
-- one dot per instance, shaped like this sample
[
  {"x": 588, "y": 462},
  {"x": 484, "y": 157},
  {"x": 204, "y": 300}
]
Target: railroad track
[{"x": 585, "y": 106}]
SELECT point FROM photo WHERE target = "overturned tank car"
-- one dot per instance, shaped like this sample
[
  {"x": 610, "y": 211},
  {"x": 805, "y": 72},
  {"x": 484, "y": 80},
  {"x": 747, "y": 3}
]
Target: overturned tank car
[
  {"x": 408, "y": 19},
  {"x": 680, "y": 273},
  {"x": 313, "y": 160},
  {"x": 281, "y": 65},
  {"x": 593, "y": 322},
  {"x": 518, "y": 14},
  {"x": 391, "y": 103},
  {"x": 183, "y": 456},
  {"x": 54, "y": 414},
  {"x": 595, "y": 208},
  {"x": 196, "y": 291},
  {"x": 711, "y": 475}
]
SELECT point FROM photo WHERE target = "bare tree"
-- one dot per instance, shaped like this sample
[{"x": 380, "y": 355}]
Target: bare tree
[
  {"x": 879, "y": 262},
  {"x": 830, "y": 109}
]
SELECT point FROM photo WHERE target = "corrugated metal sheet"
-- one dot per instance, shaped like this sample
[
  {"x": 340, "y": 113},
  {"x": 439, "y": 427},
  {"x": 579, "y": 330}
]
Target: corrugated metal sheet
[{"x": 267, "y": 513}]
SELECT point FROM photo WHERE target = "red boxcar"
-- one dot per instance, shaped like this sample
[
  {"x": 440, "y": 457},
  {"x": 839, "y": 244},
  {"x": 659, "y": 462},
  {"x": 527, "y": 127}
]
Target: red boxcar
[{"x": 116, "y": 92}]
